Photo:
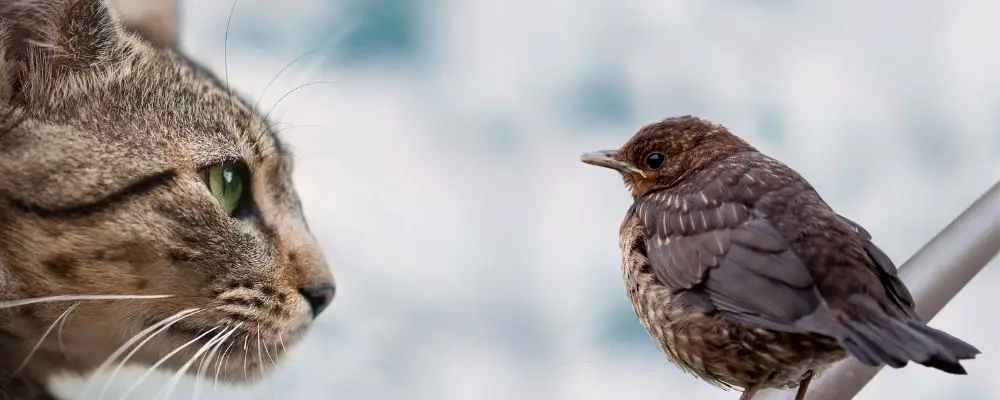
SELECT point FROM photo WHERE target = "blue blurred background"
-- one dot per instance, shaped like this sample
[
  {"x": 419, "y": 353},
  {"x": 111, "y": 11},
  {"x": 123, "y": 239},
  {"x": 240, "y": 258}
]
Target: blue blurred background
[{"x": 477, "y": 258}]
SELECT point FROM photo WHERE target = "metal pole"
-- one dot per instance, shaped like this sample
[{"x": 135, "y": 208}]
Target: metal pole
[{"x": 934, "y": 276}]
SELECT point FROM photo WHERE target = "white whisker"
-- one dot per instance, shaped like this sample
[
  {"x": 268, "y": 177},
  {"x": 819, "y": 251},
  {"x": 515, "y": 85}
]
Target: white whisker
[
  {"x": 207, "y": 361},
  {"x": 59, "y": 331},
  {"x": 161, "y": 361},
  {"x": 169, "y": 385},
  {"x": 145, "y": 335},
  {"x": 76, "y": 297},
  {"x": 172, "y": 384},
  {"x": 211, "y": 346},
  {"x": 269, "y": 357},
  {"x": 44, "y": 335},
  {"x": 260, "y": 356},
  {"x": 246, "y": 375},
  {"x": 218, "y": 367}
]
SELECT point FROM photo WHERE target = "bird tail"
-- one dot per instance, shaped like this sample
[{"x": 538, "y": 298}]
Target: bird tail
[{"x": 875, "y": 338}]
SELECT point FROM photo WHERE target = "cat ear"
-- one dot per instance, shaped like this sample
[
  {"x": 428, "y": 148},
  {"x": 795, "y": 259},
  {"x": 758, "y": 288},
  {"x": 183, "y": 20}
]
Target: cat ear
[
  {"x": 45, "y": 39},
  {"x": 153, "y": 20}
]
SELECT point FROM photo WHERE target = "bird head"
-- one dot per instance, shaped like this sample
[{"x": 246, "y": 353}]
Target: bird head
[{"x": 662, "y": 154}]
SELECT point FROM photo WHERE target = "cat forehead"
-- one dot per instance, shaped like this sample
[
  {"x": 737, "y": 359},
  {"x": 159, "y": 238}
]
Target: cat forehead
[
  {"x": 71, "y": 67},
  {"x": 164, "y": 101}
]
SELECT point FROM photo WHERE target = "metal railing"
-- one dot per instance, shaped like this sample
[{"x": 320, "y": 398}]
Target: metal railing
[{"x": 934, "y": 275}]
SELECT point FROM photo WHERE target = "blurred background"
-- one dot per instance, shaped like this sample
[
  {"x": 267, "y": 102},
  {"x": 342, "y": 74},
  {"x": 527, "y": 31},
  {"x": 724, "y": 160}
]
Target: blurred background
[{"x": 438, "y": 149}]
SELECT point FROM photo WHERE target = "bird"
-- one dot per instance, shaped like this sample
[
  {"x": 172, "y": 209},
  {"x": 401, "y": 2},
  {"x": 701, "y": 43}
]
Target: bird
[{"x": 745, "y": 277}]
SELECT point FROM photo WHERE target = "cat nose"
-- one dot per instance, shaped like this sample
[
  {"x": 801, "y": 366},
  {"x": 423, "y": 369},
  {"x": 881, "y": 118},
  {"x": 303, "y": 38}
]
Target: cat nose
[{"x": 319, "y": 295}]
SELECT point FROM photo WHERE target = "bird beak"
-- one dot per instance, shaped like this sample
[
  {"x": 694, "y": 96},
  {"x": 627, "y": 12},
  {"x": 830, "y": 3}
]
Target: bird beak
[{"x": 609, "y": 159}]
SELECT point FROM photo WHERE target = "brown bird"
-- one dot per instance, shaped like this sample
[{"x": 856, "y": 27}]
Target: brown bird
[{"x": 745, "y": 277}]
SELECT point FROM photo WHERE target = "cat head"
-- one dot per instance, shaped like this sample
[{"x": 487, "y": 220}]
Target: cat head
[{"x": 126, "y": 169}]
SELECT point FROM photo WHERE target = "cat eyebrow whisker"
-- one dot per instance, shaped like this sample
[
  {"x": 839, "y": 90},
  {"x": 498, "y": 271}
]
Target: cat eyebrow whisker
[
  {"x": 38, "y": 344},
  {"x": 78, "y": 297},
  {"x": 257, "y": 136},
  {"x": 345, "y": 30},
  {"x": 163, "y": 360},
  {"x": 145, "y": 335},
  {"x": 280, "y": 72}
]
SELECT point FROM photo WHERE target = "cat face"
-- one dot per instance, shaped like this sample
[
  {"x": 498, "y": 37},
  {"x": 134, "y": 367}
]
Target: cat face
[{"x": 128, "y": 170}]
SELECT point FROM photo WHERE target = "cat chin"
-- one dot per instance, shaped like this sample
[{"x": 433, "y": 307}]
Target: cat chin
[
  {"x": 234, "y": 362},
  {"x": 68, "y": 384},
  {"x": 234, "y": 373}
]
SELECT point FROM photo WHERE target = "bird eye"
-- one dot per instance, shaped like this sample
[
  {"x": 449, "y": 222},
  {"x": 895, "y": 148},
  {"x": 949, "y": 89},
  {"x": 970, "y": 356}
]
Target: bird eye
[{"x": 654, "y": 160}]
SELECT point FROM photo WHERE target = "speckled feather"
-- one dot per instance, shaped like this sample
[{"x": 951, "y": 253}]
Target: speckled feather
[
  {"x": 693, "y": 231},
  {"x": 746, "y": 278}
]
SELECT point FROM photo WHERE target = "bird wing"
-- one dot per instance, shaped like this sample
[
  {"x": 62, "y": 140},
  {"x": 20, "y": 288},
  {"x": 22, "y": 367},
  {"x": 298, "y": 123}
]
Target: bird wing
[
  {"x": 714, "y": 246},
  {"x": 734, "y": 257},
  {"x": 886, "y": 271}
]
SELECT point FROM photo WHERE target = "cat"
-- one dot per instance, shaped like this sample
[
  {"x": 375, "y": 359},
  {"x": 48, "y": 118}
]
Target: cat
[{"x": 129, "y": 171}]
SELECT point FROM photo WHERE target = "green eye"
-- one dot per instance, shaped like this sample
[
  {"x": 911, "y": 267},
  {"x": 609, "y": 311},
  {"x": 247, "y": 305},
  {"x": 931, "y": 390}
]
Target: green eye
[{"x": 226, "y": 181}]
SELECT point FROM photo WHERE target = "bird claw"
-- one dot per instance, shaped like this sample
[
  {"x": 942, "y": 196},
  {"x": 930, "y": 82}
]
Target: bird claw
[
  {"x": 804, "y": 385},
  {"x": 749, "y": 392}
]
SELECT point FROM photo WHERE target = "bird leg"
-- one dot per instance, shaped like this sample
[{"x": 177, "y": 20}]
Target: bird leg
[
  {"x": 804, "y": 385},
  {"x": 749, "y": 392}
]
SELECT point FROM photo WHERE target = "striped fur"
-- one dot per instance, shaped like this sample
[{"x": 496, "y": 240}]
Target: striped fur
[{"x": 102, "y": 137}]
